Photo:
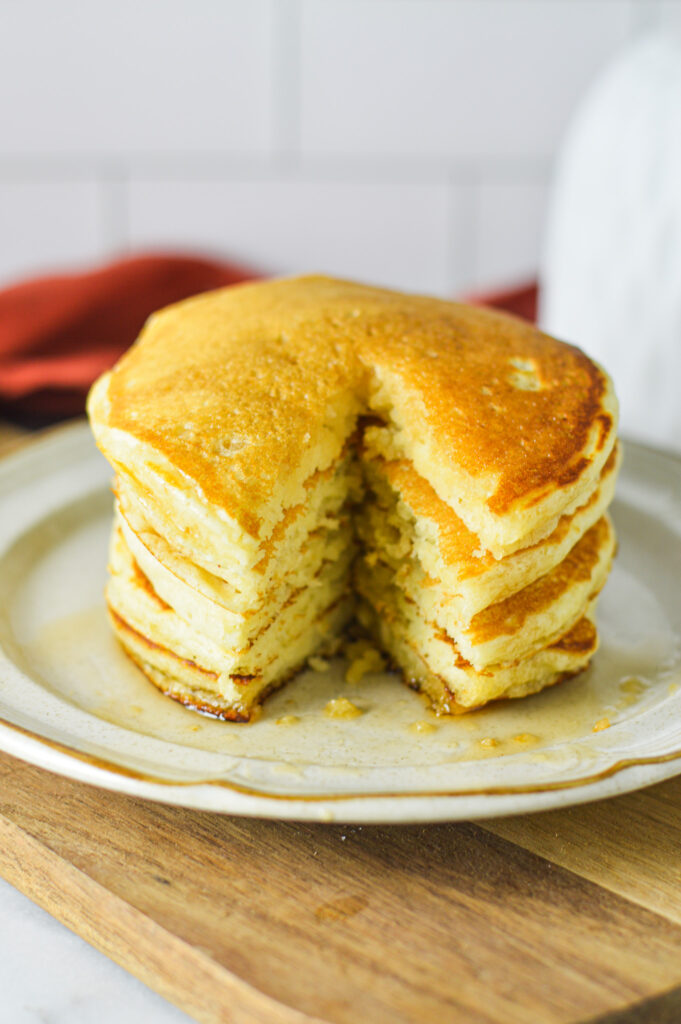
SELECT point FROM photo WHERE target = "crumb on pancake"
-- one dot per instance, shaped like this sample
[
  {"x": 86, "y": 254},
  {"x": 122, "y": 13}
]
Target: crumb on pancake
[{"x": 341, "y": 707}]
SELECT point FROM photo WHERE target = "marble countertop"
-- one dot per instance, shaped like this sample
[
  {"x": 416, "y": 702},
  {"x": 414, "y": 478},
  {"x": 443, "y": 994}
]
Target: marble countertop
[{"x": 48, "y": 975}]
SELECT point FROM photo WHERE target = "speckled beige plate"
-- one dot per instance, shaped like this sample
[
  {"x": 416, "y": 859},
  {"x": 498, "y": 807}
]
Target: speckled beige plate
[{"x": 72, "y": 703}]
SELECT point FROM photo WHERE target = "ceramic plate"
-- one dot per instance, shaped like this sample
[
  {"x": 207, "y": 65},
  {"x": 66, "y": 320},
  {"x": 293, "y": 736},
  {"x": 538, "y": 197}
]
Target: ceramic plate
[{"x": 71, "y": 702}]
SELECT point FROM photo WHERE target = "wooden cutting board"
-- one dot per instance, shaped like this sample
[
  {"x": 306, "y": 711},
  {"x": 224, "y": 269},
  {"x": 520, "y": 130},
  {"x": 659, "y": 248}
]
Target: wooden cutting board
[{"x": 566, "y": 916}]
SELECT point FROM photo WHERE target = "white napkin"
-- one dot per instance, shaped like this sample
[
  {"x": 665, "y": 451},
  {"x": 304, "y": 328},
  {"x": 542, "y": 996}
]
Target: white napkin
[{"x": 611, "y": 277}]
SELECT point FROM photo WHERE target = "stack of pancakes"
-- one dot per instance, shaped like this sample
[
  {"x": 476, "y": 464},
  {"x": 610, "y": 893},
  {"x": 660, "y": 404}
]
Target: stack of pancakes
[{"x": 291, "y": 454}]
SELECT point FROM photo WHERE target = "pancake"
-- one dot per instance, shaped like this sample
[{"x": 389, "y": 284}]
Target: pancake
[
  {"x": 241, "y": 592},
  {"x": 424, "y": 541},
  {"x": 433, "y": 665},
  {"x": 215, "y": 677},
  {"x": 281, "y": 446},
  {"x": 521, "y": 624}
]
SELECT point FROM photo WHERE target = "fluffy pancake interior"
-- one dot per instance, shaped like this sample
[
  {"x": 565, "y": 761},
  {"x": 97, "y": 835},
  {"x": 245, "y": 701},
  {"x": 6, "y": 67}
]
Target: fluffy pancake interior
[
  {"x": 513, "y": 628},
  {"x": 410, "y": 528},
  {"x": 160, "y": 639},
  {"x": 431, "y": 663},
  {"x": 194, "y": 531},
  {"x": 258, "y": 645},
  {"x": 188, "y": 628},
  {"x": 290, "y": 558}
]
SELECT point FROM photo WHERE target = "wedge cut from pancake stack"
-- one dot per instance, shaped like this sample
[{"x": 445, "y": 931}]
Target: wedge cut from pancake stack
[{"x": 295, "y": 453}]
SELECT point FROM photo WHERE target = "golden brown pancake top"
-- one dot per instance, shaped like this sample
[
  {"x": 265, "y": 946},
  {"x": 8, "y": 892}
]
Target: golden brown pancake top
[{"x": 233, "y": 386}]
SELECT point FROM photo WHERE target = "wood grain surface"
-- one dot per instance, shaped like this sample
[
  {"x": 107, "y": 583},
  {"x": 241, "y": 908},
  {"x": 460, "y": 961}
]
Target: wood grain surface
[
  {"x": 555, "y": 918},
  {"x": 246, "y": 921}
]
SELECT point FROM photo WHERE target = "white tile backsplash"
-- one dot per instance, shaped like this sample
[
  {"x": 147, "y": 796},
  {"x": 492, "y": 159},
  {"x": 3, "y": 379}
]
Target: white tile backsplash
[
  {"x": 489, "y": 79},
  {"x": 405, "y": 141},
  {"x": 136, "y": 75},
  {"x": 47, "y": 225},
  {"x": 390, "y": 234},
  {"x": 510, "y": 225}
]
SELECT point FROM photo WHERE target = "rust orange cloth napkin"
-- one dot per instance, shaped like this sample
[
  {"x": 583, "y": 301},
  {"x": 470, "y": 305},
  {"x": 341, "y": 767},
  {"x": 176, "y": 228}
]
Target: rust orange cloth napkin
[{"x": 58, "y": 333}]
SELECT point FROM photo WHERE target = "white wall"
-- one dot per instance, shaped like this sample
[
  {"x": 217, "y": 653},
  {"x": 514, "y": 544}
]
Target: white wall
[{"x": 407, "y": 142}]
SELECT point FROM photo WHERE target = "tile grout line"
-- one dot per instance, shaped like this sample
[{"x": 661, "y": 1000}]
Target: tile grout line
[
  {"x": 462, "y": 256},
  {"x": 114, "y": 208}
]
